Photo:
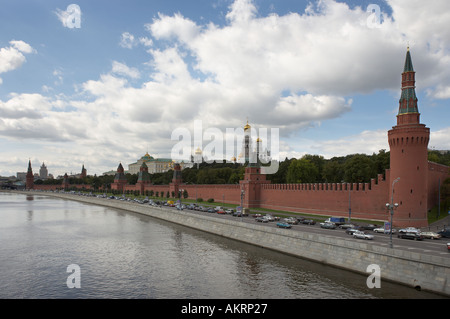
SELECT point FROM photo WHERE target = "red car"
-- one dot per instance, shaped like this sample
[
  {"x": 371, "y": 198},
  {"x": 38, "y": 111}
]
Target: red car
[{"x": 448, "y": 246}]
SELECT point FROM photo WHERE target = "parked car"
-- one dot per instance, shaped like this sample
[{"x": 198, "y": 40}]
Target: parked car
[
  {"x": 410, "y": 235},
  {"x": 328, "y": 225},
  {"x": 384, "y": 231},
  {"x": 256, "y": 215},
  {"x": 221, "y": 211},
  {"x": 229, "y": 211},
  {"x": 445, "y": 233},
  {"x": 211, "y": 210},
  {"x": 284, "y": 225},
  {"x": 308, "y": 222},
  {"x": 269, "y": 217},
  {"x": 362, "y": 235},
  {"x": 431, "y": 235}
]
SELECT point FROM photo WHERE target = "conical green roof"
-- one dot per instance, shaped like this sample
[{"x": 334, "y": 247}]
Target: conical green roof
[{"x": 408, "y": 63}]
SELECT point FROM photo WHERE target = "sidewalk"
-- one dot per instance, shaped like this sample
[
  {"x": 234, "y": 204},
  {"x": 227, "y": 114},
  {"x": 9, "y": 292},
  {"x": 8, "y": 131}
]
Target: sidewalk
[{"x": 440, "y": 224}]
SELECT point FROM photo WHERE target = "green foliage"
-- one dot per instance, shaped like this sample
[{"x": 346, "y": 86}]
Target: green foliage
[
  {"x": 439, "y": 157},
  {"x": 302, "y": 171}
]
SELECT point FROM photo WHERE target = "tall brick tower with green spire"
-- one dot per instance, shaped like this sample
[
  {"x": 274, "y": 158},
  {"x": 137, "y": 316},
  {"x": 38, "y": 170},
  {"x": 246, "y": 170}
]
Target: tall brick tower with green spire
[
  {"x": 408, "y": 142},
  {"x": 29, "y": 184}
]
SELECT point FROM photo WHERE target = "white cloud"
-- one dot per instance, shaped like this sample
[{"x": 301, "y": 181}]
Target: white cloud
[
  {"x": 22, "y": 46},
  {"x": 291, "y": 71},
  {"x": 123, "y": 69},
  {"x": 12, "y": 57},
  {"x": 127, "y": 40}
]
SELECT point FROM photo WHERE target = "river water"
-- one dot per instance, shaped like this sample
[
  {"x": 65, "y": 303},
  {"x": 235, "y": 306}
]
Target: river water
[{"x": 126, "y": 255}]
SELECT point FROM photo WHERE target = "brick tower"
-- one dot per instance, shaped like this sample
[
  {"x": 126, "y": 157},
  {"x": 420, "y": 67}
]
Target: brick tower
[
  {"x": 143, "y": 178},
  {"x": 408, "y": 142},
  {"x": 120, "y": 180},
  {"x": 177, "y": 180},
  {"x": 29, "y": 184}
]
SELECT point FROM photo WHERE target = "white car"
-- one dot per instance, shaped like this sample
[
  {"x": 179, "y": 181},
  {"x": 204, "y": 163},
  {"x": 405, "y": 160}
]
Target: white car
[
  {"x": 431, "y": 235},
  {"x": 382, "y": 230},
  {"x": 362, "y": 235}
]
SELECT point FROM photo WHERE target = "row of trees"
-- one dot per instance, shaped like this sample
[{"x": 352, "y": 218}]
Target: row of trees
[{"x": 355, "y": 168}]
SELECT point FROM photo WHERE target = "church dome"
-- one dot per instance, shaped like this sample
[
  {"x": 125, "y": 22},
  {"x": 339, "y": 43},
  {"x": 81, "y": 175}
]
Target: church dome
[
  {"x": 247, "y": 127},
  {"x": 146, "y": 157}
]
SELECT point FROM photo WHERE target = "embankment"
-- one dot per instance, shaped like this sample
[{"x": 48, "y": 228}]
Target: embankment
[{"x": 427, "y": 272}]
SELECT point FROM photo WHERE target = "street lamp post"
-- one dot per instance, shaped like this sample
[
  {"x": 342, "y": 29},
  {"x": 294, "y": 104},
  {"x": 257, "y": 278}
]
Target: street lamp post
[
  {"x": 391, "y": 207},
  {"x": 349, "y": 206},
  {"x": 242, "y": 202}
]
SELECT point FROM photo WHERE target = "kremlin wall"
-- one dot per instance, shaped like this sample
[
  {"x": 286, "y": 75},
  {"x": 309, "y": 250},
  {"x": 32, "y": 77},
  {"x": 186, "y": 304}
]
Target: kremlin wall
[{"x": 412, "y": 181}]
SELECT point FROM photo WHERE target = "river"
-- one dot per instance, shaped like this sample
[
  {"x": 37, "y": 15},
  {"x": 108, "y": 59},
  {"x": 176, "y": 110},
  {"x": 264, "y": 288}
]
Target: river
[{"x": 120, "y": 254}]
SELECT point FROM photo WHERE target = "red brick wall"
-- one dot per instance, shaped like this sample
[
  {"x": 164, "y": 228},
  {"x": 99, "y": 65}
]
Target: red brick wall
[
  {"x": 436, "y": 173},
  {"x": 367, "y": 200}
]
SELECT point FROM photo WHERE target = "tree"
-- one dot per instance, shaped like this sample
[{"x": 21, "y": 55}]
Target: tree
[
  {"x": 333, "y": 172},
  {"x": 302, "y": 171},
  {"x": 359, "y": 169}
]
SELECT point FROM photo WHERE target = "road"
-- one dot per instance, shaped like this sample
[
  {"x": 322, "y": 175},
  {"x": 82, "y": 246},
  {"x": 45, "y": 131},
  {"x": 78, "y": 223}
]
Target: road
[{"x": 427, "y": 246}]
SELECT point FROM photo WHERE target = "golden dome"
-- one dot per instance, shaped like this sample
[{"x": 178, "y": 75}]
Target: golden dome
[
  {"x": 233, "y": 159},
  {"x": 258, "y": 140},
  {"x": 198, "y": 150},
  {"x": 247, "y": 127}
]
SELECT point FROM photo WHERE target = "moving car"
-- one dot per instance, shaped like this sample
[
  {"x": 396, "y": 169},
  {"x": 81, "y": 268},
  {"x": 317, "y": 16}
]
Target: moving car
[
  {"x": 284, "y": 225},
  {"x": 448, "y": 247},
  {"x": 262, "y": 219},
  {"x": 370, "y": 227},
  {"x": 362, "y": 235},
  {"x": 346, "y": 226},
  {"x": 328, "y": 225},
  {"x": 410, "y": 235},
  {"x": 431, "y": 235},
  {"x": 291, "y": 220},
  {"x": 308, "y": 222},
  {"x": 445, "y": 233},
  {"x": 384, "y": 231},
  {"x": 336, "y": 220},
  {"x": 409, "y": 230},
  {"x": 351, "y": 231}
]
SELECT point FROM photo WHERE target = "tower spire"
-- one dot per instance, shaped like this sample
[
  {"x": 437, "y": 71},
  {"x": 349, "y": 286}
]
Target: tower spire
[{"x": 408, "y": 99}]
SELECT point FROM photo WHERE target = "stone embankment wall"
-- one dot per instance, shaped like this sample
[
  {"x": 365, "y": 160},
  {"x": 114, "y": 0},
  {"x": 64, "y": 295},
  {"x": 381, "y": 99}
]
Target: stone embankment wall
[{"x": 416, "y": 270}]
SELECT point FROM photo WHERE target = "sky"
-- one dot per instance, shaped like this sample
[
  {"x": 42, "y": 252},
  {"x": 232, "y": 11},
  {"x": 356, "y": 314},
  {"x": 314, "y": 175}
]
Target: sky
[{"x": 98, "y": 83}]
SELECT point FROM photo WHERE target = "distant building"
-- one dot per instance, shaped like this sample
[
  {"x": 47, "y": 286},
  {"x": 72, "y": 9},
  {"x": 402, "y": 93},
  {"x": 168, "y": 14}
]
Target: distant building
[
  {"x": 43, "y": 172},
  {"x": 22, "y": 176},
  {"x": 154, "y": 165}
]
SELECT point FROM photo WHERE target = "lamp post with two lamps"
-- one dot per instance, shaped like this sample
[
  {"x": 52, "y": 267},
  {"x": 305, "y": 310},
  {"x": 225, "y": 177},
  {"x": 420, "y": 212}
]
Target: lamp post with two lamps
[{"x": 391, "y": 207}]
